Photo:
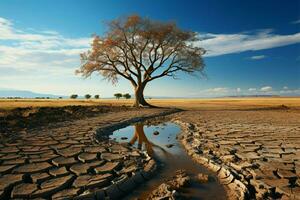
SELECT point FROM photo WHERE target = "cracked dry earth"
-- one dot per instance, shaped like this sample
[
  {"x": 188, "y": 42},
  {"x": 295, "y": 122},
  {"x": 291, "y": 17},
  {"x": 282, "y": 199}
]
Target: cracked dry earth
[
  {"x": 260, "y": 149},
  {"x": 65, "y": 161}
]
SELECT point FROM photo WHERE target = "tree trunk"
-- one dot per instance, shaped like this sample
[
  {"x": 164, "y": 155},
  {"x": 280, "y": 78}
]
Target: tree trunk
[{"x": 139, "y": 96}]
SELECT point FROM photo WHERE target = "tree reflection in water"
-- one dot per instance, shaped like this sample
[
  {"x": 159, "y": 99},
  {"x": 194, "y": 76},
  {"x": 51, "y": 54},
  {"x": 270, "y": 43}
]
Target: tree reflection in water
[{"x": 140, "y": 136}]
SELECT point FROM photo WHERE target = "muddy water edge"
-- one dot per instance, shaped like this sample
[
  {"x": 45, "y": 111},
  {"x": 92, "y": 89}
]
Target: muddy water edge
[{"x": 160, "y": 142}]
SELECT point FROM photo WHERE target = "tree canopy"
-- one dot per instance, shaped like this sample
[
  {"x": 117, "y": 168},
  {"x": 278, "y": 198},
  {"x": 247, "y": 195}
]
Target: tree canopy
[
  {"x": 87, "y": 96},
  {"x": 118, "y": 95},
  {"x": 142, "y": 50},
  {"x": 74, "y": 96},
  {"x": 127, "y": 96}
]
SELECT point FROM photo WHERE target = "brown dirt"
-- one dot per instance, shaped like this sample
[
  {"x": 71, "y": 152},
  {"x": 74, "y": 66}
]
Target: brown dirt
[
  {"x": 32, "y": 117},
  {"x": 169, "y": 189},
  {"x": 65, "y": 160},
  {"x": 260, "y": 146}
]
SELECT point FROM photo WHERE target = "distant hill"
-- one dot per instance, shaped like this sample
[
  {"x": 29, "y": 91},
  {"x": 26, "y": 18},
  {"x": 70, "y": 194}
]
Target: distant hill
[{"x": 4, "y": 93}]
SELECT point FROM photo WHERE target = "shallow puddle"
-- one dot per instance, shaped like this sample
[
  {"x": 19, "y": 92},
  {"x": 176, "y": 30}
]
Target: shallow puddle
[{"x": 160, "y": 142}]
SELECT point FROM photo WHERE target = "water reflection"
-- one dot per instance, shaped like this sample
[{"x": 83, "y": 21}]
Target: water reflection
[
  {"x": 139, "y": 135},
  {"x": 155, "y": 140}
]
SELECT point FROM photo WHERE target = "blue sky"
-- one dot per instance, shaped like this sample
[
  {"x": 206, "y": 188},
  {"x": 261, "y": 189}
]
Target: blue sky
[{"x": 253, "y": 46}]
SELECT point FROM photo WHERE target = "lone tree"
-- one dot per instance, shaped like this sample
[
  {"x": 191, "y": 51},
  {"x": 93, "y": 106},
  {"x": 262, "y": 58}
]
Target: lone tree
[
  {"x": 141, "y": 50},
  {"x": 127, "y": 96},
  {"x": 118, "y": 95},
  {"x": 74, "y": 96},
  {"x": 97, "y": 96},
  {"x": 87, "y": 96}
]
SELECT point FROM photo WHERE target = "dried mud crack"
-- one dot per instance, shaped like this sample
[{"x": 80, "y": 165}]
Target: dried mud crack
[
  {"x": 69, "y": 160},
  {"x": 255, "y": 155},
  {"x": 253, "y": 159}
]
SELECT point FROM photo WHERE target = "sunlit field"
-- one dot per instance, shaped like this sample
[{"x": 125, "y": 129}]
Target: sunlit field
[{"x": 206, "y": 104}]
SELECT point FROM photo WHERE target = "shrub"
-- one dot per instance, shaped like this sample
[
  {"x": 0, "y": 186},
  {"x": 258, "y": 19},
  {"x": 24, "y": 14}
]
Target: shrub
[
  {"x": 118, "y": 95},
  {"x": 74, "y": 96},
  {"x": 87, "y": 96},
  {"x": 127, "y": 96}
]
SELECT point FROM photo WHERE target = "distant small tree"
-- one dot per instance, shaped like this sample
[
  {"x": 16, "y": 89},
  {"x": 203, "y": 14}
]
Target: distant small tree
[
  {"x": 60, "y": 97},
  {"x": 97, "y": 96},
  {"x": 127, "y": 96},
  {"x": 118, "y": 95},
  {"x": 74, "y": 96},
  {"x": 87, "y": 96}
]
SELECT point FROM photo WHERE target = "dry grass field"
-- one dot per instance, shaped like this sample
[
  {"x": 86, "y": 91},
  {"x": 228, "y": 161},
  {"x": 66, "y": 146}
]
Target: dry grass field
[
  {"x": 227, "y": 103},
  {"x": 190, "y": 104}
]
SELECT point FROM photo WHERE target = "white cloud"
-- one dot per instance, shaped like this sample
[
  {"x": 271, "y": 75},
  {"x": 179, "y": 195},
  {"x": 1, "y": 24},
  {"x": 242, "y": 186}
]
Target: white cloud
[
  {"x": 266, "y": 89},
  {"x": 251, "y": 89},
  {"x": 258, "y": 57},
  {"x": 43, "y": 51},
  {"x": 218, "y": 89},
  {"x": 221, "y": 44},
  {"x": 212, "y": 92},
  {"x": 290, "y": 92},
  {"x": 9, "y": 32},
  {"x": 285, "y": 87},
  {"x": 296, "y": 21},
  {"x": 228, "y": 91}
]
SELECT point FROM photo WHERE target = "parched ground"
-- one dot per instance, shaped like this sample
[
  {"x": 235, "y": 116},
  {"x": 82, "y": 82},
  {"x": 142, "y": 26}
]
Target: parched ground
[
  {"x": 260, "y": 147},
  {"x": 257, "y": 140},
  {"x": 64, "y": 160}
]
